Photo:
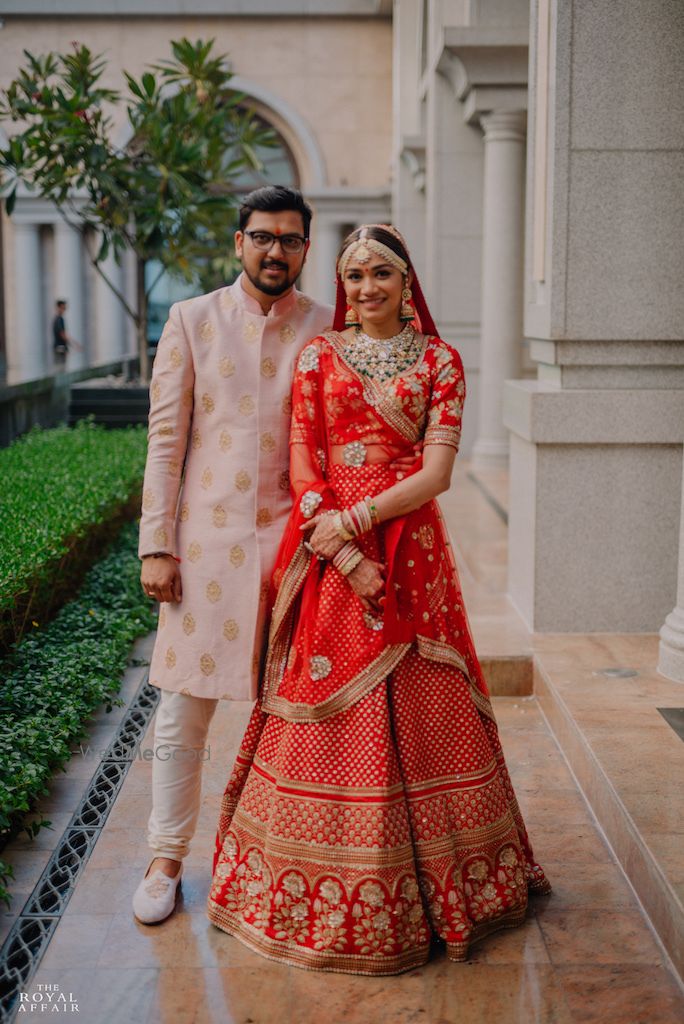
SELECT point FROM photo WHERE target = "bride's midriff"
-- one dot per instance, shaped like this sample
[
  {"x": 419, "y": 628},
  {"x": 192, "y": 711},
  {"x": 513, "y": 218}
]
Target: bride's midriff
[{"x": 375, "y": 454}]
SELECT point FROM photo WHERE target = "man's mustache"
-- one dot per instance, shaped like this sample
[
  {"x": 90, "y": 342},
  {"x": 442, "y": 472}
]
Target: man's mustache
[{"x": 265, "y": 264}]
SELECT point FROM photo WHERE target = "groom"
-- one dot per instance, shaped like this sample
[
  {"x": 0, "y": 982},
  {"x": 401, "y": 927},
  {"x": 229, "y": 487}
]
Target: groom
[{"x": 215, "y": 500}]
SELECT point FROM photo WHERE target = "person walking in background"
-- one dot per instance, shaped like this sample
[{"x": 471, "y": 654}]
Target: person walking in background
[{"x": 61, "y": 341}]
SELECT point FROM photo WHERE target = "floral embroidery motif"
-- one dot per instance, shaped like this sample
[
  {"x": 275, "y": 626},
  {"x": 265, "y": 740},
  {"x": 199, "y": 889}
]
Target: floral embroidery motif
[
  {"x": 207, "y": 664},
  {"x": 170, "y": 658},
  {"x": 219, "y": 516},
  {"x": 309, "y": 503},
  {"x": 237, "y": 556},
  {"x": 206, "y": 331},
  {"x": 268, "y": 367},
  {"x": 208, "y": 403},
  {"x": 188, "y": 624},
  {"x": 243, "y": 480},
  {"x": 225, "y": 441},
  {"x": 160, "y": 537},
  {"x": 231, "y": 629},
  {"x": 213, "y": 591},
  {"x": 319, "y": 667},
  {"x": 194, "y": 552},
  {"x": 287, "y": 334},
  {"x": 264, "y": 517},
  {"x": 308, "y": 360},
  {"x": 267, "y": 443},
  {"x": 246, "y": 405},
  {"x": 226, "y": 366}
]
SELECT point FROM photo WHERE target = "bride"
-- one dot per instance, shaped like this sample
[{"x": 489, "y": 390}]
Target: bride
[{"x": 370, "y": 808}]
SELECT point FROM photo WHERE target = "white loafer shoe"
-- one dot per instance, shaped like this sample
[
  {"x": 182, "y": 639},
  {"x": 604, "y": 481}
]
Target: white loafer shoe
[{"x": 155, "y": 897}]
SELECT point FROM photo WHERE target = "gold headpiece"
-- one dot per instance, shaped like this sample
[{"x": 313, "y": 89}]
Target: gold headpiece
[{"x": 362, "y": 248}]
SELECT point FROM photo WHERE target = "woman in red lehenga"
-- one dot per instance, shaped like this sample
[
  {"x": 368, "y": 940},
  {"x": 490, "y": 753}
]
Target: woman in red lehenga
[{"x": 370, "y": 808}]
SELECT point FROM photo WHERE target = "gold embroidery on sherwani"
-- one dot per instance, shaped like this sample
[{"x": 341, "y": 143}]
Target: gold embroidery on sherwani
[
  {"x": 208, "y": 403},
  {"x": 267, "y": 442},
  {"x": 237, "y": 555},
  {"x": 206, "y": 331},
  {"x": 226, "y": 366},
  {"x": 188, "y": 624},
  {"x": 194, "y": 551},
  {"x": 219, "y": 516},
  {"x": 148, "y": 499},
  {"x": 268, "y": 367},
  {"x": 246, "y": 405},
  {"x": 243, "y": 480},
  {"x": 170, "y": 657},
  {"x": 207, "y": 479},
  {"x": 287, "y": 334},
  {"x": 225, "y": 441},
  {"x": 207, "y": 664},
  {"x": 231, "y": 629},
  {"x": 161, "y": 537},
  {"x": 213, "y": 591}
]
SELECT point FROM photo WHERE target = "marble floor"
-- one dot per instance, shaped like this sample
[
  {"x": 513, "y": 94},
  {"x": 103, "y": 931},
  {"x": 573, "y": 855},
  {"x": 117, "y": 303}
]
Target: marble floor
[{"x": 586, "y": 954}]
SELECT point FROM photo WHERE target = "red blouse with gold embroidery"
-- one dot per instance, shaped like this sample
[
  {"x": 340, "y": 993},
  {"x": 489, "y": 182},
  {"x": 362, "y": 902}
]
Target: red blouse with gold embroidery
[{"x": 325, "y": 652}]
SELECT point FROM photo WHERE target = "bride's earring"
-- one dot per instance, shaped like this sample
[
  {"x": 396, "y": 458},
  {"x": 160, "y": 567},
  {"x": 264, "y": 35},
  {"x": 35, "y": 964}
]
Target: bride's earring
[
  {"x": 407, "y": 311},
  {"x": 351, "y": 318}
]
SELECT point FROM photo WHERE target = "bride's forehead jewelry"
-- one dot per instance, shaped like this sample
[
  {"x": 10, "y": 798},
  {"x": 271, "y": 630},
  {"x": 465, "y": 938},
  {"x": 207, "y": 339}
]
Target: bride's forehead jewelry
[{"x": 363, "y": 248}]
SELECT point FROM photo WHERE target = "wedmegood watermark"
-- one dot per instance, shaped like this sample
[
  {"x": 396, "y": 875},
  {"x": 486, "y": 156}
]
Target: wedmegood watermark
[
  {"x": 164, "y": 752},
  {"x": 47, "y": 999}
]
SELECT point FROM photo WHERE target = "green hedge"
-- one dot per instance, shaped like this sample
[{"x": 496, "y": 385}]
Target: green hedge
[
  {"x": 61, "y": 673},
  {"x": 65, "y": 493}
]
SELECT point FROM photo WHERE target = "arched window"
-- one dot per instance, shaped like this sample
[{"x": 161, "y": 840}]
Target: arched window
[{"x": 278, "y": 168}]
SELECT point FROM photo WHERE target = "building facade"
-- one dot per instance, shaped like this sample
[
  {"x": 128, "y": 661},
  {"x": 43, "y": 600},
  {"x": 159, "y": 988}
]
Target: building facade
[{"x": 533, "y": 154}]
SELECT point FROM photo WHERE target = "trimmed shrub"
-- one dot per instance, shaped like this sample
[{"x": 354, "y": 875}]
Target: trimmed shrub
[
  {"x": 65, "y": 494},
  {"x": 60, "y": 674}
]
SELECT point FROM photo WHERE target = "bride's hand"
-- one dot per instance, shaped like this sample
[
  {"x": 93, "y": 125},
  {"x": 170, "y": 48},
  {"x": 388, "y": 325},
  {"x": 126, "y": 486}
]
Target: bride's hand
[
  {"x": 367, "y": 582},
  {"x": 325, "y": 540}
]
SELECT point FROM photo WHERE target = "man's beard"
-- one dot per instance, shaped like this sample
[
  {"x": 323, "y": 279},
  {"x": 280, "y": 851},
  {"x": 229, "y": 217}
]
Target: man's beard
[{"x": 266, "y": 287}]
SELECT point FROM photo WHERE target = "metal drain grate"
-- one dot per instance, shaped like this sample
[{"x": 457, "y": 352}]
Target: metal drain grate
[{"x": 27, "y": 941}]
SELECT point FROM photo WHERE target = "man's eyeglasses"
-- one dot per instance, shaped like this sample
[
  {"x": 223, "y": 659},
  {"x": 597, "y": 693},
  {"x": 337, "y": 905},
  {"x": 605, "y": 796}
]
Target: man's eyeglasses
[{"x": 263, "y": 240}]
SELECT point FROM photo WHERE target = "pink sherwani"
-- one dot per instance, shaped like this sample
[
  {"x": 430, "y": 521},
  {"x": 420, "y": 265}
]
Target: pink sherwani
[{"x": 216, "y": 490}]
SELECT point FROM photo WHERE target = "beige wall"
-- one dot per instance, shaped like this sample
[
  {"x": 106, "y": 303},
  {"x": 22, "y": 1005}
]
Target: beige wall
[{"x": 335, "y": 73}]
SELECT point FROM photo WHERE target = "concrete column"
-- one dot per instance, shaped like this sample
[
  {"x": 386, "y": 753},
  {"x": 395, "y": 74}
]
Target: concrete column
[
  {"x": 27, "y": 351},
  {"x": 68, "y": 284},
  {"x": 502, "y": 276},
  {"x": 671, "y": 660},
  {"x": 108, "y": 327}
]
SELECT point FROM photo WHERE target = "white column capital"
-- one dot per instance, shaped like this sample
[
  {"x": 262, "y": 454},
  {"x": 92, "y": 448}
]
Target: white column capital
[{"x": 504, "y": 126}]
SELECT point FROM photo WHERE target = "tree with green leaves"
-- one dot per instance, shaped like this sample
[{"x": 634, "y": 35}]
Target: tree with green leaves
[{"x": 168, "y": 194}]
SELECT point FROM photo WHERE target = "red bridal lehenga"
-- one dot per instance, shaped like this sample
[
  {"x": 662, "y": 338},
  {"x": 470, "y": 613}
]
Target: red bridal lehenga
[{"x": 370, "y": 809}]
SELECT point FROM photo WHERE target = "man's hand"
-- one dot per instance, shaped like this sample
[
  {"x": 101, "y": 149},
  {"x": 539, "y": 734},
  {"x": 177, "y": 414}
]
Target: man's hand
[
  {"x": 408, "y": 463},
  {"x": 161, "y": 579},
  {"x": 367, "y": 582},
  {"x": 325, "y": 540}
]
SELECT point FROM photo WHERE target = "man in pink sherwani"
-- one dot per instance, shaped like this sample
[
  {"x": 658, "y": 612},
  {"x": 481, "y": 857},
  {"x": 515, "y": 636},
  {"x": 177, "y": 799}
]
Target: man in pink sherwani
[{"x": 216, "y": 498}]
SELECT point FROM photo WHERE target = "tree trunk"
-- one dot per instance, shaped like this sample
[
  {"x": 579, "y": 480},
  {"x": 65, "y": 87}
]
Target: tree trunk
[{"x": 143, "y": 347}]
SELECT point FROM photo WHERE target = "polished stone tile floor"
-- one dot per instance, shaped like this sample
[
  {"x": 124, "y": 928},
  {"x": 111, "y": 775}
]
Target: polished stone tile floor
[{"x": 585, "y": 955}]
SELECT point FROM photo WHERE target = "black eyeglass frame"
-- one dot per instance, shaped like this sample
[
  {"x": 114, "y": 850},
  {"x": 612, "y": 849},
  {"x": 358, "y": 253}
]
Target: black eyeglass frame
[{"x": 277, "y": 238}]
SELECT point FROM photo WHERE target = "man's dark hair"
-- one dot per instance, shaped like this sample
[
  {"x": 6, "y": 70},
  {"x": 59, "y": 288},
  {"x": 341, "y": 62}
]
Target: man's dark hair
[
  {"x": 273, "y": 199},
  {"x": 61, "y": 302}
]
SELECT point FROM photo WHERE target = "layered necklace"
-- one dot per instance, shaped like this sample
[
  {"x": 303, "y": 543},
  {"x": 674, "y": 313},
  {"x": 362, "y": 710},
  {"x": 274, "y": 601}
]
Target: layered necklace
[{"x": 383, "y": 358}]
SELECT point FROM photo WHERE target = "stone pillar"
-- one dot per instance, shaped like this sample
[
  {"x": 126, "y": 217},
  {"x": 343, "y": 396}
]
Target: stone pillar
[
  {"x": 502, "y": 276},
  {"x": 27, "y": 352},
  {"x": 671, "y": 660},
  {"x": 68, "y": 284},
  {"x": 108, "y": 328},
  {"x": 320, "y": 266},
  {"x": 596, "y": 439}
]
